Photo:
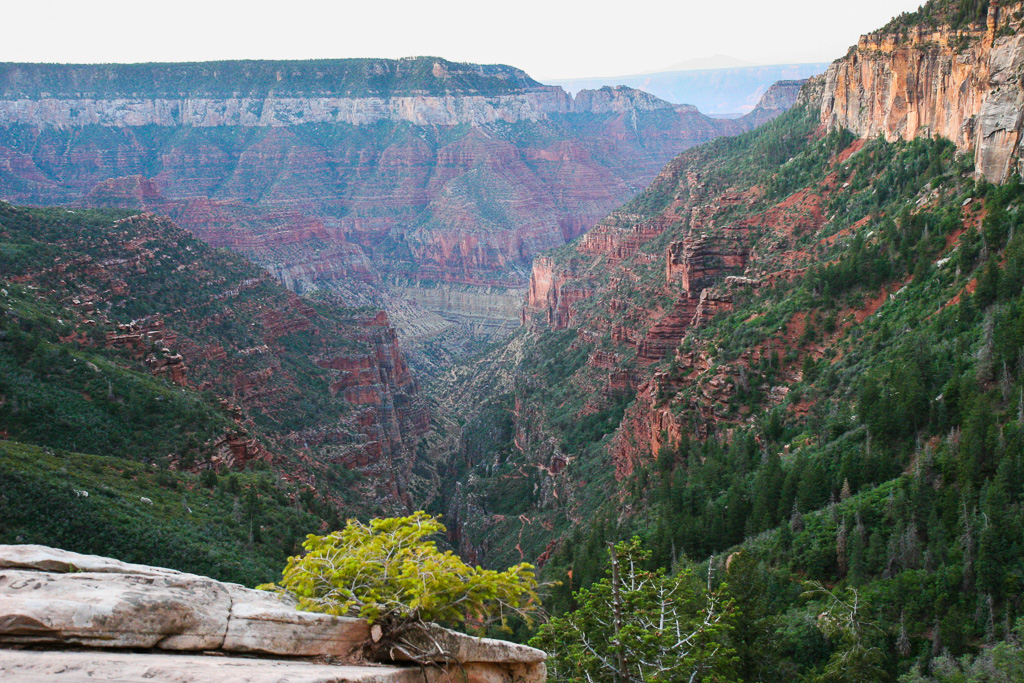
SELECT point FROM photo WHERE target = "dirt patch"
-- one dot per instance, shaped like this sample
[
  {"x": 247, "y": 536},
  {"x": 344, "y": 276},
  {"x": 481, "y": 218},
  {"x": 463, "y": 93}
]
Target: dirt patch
[
  {"x": 845, "y": 232},
  {"x": 843, "y": 156},
  {"x": 968, "y": 289}
]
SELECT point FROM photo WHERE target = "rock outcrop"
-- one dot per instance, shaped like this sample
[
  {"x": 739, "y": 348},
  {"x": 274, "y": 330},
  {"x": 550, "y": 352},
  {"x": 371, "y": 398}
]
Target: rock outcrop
[
  {"x": 51, "y": 598},
  {"x": 278, "y": 112},
  {"x": 552, "y": 292},
  {"x": 778, "y": 98},
  {"x": 963, "y": 85},
  {"x": 33, "y": 666},
  {"x": 700, "y": 260}
]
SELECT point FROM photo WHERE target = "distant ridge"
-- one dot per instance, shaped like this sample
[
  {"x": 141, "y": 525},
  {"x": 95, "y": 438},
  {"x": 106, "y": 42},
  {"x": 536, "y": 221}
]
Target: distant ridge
[
  {"x": 714, "y": 91},
  {"x": 344, "y": 77}
]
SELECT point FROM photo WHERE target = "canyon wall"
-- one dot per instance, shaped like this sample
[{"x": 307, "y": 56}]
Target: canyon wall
[
  {"x": 347, "y": 175},
  {"x": 963, "y": 85},
  {"x": 272, "y": 111},
  {"x": 485, "y": 305}
]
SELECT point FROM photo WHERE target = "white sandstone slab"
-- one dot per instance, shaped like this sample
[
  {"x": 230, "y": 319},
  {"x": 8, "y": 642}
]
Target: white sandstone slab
[
  {"x": 174, "y": 611},
  {"x": 265, "y": 623},
  {"x": 43, "y": 558},
  {"x": 34, "y": 666}
]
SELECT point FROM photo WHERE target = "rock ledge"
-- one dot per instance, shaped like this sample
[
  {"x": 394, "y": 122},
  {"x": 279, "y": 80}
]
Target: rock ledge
[{"x": 51, "y": 598}]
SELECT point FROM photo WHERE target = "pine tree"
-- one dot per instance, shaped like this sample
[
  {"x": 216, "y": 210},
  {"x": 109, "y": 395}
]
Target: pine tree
[
  {"x": 966, "y": 542},
  {"x": 842, "y": 537},
  {"x": 994, "y": 548},
  {"x": 768, "y": 484},
  {"x": 903, "y": 639},
  {"x": 663, "y": 628},
  {"x": 857, "y": 657},
  {"x": 858, "y": 552},
  {"x": 796, "y": 520}
]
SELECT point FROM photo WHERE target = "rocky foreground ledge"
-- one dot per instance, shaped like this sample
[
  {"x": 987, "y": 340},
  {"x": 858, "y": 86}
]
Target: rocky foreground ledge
[{"x": 70, "y": 617}]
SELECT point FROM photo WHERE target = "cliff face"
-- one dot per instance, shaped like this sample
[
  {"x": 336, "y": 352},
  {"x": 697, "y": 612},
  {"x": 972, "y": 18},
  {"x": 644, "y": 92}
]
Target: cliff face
[
  {"x": 963, "y": 85},
  {"x": 201, "y": 112},
  {"x": 777, "y": 99},
  {"x": 368, "y": 177},
  {"x": 553, "y": 291}
]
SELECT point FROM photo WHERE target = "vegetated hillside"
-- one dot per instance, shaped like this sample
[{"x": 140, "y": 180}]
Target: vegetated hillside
[
  {"x": 794, "y": 342},
  {"x": 237, "y": 526},
  {"x": 123, "y": 336},
  {"x": 954, "y": 14},
  {"x": 422, "y": 185}
]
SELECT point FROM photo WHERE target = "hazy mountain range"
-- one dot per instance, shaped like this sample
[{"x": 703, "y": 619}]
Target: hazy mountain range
[{"x": 715, "y": 91}]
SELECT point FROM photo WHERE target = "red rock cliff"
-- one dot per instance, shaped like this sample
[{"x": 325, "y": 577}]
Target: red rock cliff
[
  {"x": 962, "y": 85},
  {"x": 552, "y": 292},
  {"x": 461, "y": 187}
]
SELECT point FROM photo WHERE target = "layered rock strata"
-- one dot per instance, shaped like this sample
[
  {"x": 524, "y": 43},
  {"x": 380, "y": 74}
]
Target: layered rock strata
[
  {"x": 277, "y": 112},
  {"x": 963, "y": 85},
  {"x": 553, "y": 291},
  {"x": 698, "y": 261},
  {"x": 34, "y": 666},
  {"x": 348, "y": 175},
  {"x": 51, "y": 598}
]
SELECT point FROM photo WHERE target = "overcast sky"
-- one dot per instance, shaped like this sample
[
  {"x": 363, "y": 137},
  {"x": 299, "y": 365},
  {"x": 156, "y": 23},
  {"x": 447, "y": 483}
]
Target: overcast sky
[{"x": 547, "y": 38}]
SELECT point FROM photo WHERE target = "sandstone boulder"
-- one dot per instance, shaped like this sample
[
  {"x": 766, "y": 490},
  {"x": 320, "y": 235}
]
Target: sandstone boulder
[
  {"x": 33, "y": 666},
  {"x": 46, "y": 559},
  {"x": 492, "y": 673},
  {"x": 174, "y": 612},
  {"x": 266, "y": 623},
  {"x": 491, "y": 661}
]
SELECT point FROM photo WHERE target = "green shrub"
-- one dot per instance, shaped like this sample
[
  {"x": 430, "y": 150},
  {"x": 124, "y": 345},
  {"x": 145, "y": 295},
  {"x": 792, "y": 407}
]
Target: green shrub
[{"x": 388, "y": 573}]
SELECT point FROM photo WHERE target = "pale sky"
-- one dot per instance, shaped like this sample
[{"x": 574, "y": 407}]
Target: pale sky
[{"x": 547, "y": 38}]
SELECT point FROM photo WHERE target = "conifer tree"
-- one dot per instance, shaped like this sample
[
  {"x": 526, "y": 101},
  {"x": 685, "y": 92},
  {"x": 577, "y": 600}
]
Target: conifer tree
[{"x": 639, "y": 626}]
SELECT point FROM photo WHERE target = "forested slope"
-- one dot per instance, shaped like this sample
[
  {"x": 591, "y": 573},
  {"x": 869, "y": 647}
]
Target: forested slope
[
  {"x": 136, "y": 362},
  {"x": 796, "y": 343}
]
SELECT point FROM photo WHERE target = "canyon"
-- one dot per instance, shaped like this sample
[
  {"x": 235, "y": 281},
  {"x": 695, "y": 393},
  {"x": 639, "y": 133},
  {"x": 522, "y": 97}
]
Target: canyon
[
  {"x": 619, "y": 328},
  {"x": 421, "y": 186},
  {"x": 789, "y": 367},
  {"x": 303, "y": 385}
]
